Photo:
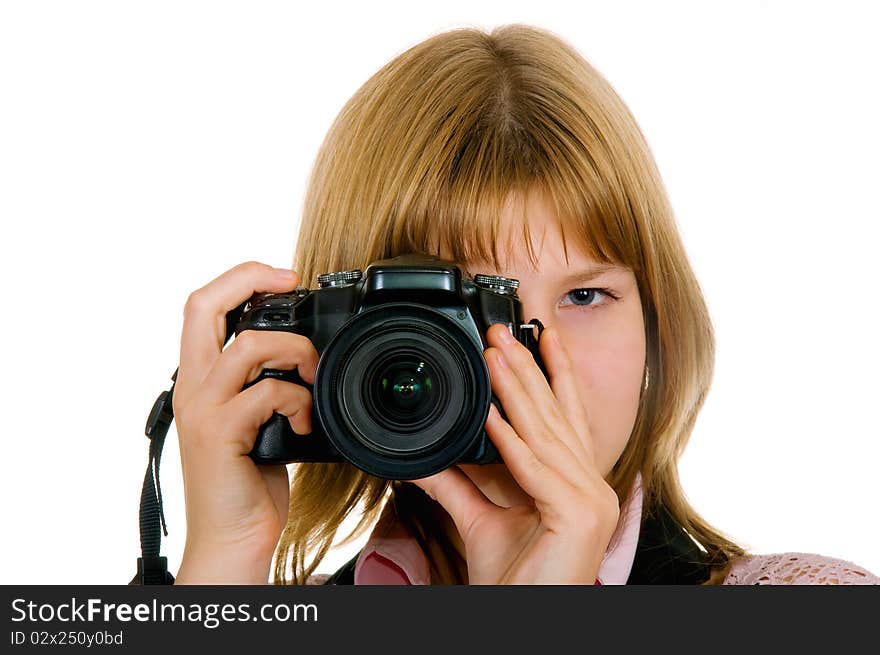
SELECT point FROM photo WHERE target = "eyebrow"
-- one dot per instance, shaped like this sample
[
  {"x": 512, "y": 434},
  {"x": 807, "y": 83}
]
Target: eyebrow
[
  {"x": 587, "y": 274},
  {"x": 583, "y": 275}
]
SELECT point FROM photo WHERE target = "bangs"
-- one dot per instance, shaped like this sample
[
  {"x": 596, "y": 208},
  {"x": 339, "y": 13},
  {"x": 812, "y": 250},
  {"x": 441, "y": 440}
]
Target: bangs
[{"x": 458, "y": 207}]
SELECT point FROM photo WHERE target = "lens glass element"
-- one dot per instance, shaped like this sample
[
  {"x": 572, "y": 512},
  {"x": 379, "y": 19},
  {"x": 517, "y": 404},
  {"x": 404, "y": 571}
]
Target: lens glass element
[{"x": 404, "y": 388}]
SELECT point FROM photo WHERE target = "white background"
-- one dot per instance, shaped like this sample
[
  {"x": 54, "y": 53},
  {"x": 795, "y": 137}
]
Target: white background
[{"x": 147, "y": 147}]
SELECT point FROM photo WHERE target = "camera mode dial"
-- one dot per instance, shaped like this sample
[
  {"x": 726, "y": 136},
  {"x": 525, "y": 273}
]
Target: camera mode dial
[
  {"x": 339, "y": 278},
  {"x": 496, "y": 283}
]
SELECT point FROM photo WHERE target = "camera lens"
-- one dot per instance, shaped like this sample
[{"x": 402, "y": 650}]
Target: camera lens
[
  {"x": 404, "y": 387},
  {"x": 401, "y": 389},
  {"x": 395, "y": 391},
  {"x": 404, "y": 391}
]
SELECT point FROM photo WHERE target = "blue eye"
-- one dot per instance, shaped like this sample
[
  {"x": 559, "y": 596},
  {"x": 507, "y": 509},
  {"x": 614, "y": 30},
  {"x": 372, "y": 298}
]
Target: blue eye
[{"x": 589, "y": 297}]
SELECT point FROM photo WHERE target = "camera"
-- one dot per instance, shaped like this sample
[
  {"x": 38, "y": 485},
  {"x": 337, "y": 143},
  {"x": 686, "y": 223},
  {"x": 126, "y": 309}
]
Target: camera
[{"x": 402, "y": 388}]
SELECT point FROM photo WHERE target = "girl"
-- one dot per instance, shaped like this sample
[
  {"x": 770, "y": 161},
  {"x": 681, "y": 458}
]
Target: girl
[{"x": 508, "y": 154}]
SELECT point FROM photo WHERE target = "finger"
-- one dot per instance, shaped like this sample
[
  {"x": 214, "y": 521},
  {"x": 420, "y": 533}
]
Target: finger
[
  {"x": 532, "y": 474},
  {"x": 567, "y": 393},
  {"x": 497, "y": 484},
  {"x": 248, "y": 411},
  {"x": 204, "y": 318},
  {"x": 460, "y": 497},
  {"x": 540, "y": 436},
  {"x": 250, "y": 353},
  {"x": 536, "y": 386},
  {"x": 522, "y": 363}
]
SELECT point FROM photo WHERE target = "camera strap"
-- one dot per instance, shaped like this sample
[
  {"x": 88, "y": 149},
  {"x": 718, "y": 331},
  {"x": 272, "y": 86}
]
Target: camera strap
[{"x": 151, "y": 567}]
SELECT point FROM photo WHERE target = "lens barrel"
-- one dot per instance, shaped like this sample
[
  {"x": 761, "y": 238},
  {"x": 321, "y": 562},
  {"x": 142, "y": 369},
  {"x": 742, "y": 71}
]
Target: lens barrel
[{"x": 402, "y": 391}]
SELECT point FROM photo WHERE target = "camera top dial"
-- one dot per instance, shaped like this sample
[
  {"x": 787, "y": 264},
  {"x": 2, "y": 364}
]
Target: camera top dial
[
  {"x": 339, "y": 278},
  {"x": 497, "y": 283}
]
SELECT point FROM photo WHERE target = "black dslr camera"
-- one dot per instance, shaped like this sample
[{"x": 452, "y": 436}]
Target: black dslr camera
[{"x": 402, "y": 389}]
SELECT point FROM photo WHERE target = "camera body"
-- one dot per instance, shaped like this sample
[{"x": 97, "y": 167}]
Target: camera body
[{"x": 402, "y": 389}]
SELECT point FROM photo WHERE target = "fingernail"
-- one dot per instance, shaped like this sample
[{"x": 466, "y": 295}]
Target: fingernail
[
  {"x": 285, "y": 273},
  {"x": 502, "y": 362},
  {"x": 506, "y": 336},
  {"x": 555, "y": 338}
]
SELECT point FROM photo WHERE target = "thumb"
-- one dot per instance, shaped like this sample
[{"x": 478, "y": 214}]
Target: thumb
[{"x": 458, "y": 495}]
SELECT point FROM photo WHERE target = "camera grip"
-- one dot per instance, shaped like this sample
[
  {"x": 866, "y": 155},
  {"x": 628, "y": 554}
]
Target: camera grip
[{"x": 277, "y": 442}]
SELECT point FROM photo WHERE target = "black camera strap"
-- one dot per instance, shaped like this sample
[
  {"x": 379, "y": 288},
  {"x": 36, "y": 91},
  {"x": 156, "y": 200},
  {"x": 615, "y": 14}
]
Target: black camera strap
[{"x": 151, "y": 567}]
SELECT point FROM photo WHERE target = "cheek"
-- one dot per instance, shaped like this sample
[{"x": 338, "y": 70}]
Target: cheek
[{"x": 610, "y": 369}]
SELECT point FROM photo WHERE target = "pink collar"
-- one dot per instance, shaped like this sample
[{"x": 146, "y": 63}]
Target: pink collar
[{"x": 392, "y": 557}]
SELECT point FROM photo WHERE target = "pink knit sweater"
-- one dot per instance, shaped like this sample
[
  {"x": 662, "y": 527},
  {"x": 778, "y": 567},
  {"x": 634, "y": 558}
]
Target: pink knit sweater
[{"x": 392, "y": 557}]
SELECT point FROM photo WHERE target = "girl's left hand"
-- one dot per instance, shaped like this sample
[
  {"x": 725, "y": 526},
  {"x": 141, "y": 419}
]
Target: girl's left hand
[{"x": 547, "y": 446}]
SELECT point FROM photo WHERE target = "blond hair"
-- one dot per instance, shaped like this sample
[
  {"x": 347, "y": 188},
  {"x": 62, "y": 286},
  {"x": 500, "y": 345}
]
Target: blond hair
[{"x": 428, "y": 152}]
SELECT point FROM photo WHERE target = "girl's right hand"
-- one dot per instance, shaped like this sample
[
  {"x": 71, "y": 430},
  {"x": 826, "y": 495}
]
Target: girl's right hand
[{"x": 235, "y": 509}]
